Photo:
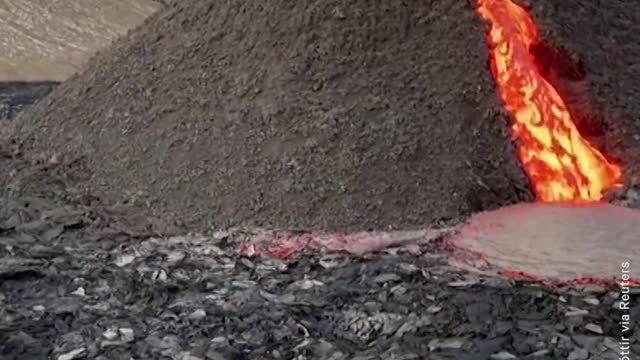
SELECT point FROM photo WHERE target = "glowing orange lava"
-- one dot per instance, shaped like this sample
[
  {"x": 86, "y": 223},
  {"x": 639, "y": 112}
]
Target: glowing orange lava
[{"x": 560, "y": 163}]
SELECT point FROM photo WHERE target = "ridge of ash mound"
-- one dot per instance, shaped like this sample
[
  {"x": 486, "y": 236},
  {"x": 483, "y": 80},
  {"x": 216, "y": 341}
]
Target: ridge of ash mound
[{"x": 306, "y": 114}]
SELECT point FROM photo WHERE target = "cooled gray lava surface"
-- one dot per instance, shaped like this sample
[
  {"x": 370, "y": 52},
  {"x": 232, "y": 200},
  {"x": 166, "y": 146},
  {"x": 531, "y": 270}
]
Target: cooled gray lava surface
[{"x": 560, "y": 241}]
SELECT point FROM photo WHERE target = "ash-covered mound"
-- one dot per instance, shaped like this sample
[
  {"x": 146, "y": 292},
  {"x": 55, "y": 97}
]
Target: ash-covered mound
[{"x": 290, "y": 114}]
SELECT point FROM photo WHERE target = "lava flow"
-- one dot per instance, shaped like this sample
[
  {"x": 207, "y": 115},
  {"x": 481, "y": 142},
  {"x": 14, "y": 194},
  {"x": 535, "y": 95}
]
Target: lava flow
[{"x": 561, "y": 164}]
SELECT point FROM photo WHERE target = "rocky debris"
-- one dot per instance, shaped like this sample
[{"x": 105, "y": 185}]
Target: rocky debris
[
  {"x": 594, "y": 328},
  {"x": 99, "y": 288},
  {"x": 628, "y": 196},
  {"x": 80, "y": 278},
  {"x": 73, "y": 354},
  {"x": 282, "y": 244},
  {"x": 17, "y": 96}
]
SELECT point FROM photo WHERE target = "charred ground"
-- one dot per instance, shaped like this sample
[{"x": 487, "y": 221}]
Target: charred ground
[
  {"x": 90, "y": 282},
  {"x": 403, "y": 122}
]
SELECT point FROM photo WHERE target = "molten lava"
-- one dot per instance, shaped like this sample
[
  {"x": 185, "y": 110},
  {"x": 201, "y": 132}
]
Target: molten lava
[{"x": 561, "y": 164}]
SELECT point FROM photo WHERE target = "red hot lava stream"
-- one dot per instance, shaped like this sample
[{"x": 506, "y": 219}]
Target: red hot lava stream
[{"x": 561, "y": 164}]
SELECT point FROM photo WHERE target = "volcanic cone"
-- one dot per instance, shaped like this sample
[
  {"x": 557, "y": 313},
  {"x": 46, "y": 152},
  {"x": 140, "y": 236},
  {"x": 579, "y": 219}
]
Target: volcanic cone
[{"x": 309, "y": 114}]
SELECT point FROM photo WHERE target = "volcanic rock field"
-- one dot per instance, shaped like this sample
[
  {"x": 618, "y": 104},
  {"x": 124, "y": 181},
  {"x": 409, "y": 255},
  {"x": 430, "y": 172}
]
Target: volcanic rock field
[{"x": 133, "y": 193}]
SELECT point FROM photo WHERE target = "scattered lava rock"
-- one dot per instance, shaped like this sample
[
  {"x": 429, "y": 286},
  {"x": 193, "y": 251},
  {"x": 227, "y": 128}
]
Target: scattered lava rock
[
  {"x": 93, "y": 281},
  {"x": 370, "y": 104},
  {"x": 78, "y": 281}
]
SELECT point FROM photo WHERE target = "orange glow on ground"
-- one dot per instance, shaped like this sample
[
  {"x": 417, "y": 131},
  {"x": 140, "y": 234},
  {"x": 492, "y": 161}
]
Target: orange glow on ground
[{"x": 560, "y": 163}]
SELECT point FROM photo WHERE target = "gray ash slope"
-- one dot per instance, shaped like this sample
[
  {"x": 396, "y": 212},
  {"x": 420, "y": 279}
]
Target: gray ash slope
[{"x": 313, "y": 114}]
